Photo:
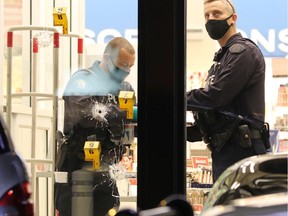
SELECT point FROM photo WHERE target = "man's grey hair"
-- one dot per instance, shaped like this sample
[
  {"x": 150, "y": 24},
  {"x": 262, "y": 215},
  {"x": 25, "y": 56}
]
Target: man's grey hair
[{"x": 116, "y": 44}]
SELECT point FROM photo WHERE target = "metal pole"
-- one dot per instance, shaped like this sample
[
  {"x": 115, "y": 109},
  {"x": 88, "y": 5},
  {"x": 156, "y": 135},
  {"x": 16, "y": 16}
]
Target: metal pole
[
  {"x": 9, "y": 78},
  {"x": 34, "y": 122},
  {"x": 55, "y": 105}
]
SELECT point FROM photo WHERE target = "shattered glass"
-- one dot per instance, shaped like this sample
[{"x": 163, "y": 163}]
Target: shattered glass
[{"x": 98, "y": 118}]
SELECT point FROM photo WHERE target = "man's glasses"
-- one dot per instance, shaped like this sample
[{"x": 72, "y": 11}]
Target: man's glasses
[{"x": 231, "y": 5}]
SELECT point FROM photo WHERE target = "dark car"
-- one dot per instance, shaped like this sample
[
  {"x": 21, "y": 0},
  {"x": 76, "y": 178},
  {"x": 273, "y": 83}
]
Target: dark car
[
  {"x": 263, "y": 205},
  {"x": 251, "y": 177},
  {"x": 14, "y": 182}
]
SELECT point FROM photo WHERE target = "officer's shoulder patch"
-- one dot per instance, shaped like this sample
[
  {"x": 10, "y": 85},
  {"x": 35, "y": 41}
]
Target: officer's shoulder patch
[{"x": 237, "y": 48}]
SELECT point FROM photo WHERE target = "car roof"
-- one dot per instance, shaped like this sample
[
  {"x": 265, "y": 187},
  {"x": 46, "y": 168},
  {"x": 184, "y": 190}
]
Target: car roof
[
  {"x": 253, "y": 176},
  {"x": 6, "y": 144}
]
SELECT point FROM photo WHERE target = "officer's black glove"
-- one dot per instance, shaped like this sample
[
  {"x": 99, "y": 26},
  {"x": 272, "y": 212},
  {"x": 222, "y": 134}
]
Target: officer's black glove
[{"x": 193, "y": 133}]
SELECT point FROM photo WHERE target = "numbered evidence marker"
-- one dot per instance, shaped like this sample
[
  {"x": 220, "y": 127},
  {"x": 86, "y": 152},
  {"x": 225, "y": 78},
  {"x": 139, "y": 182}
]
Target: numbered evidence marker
[
  {"x": 92, "y": 150},
  {"x": 126, "y": 102},
  {"x": 60, "y": 18}
]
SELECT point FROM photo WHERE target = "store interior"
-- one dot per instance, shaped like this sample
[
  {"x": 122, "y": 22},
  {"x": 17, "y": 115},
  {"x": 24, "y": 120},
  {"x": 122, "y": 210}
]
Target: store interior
[{"x": 31, "y": 128}]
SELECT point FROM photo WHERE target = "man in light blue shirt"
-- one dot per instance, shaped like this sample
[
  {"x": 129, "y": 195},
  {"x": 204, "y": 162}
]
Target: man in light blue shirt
[{"x": 92, "y": 113}]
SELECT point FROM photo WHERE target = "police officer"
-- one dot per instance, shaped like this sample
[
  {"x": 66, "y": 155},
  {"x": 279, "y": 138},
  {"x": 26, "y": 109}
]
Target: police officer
[
  {"x": 92, "y": 113},
  {"x": 235, "y": 85}
]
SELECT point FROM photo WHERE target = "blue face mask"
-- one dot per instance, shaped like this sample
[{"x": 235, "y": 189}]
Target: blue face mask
[{"x": 117, "y": 73}]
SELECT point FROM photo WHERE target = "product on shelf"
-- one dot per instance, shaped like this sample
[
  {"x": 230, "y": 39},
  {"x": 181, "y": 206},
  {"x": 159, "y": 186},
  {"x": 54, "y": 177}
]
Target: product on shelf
[{"x": 282, "y": 95}]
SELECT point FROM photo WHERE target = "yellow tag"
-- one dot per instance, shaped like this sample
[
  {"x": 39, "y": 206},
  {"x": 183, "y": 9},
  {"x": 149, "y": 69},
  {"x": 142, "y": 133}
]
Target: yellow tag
[
  {"x": 60, "y": 18},
  {"x": 126, "y": 102},
  {"x": 92, "y": 150}
]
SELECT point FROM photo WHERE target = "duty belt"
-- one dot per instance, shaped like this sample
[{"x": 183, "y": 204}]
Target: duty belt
[{"x": 255, "y": 134}]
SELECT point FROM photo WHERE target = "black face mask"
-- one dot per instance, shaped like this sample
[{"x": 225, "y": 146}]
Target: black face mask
[{"x": 217, "y": 28}]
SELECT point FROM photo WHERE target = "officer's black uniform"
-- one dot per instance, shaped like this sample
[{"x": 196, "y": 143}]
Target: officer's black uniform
[{"x": 235, "y": 84}]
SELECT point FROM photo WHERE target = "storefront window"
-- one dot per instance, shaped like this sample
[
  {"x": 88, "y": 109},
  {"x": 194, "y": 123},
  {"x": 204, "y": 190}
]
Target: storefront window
[{"x": 97, "y": 22}]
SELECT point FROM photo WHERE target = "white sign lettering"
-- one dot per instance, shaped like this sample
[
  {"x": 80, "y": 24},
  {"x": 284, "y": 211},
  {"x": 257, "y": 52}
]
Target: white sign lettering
[{"x": 274, "y": 40}]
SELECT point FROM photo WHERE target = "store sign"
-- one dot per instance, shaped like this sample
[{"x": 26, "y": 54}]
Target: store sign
[
  {"x": 106, "y": 19},
  {"x": 266, "y": 23},
  {"x": 263, "y": 21}
]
